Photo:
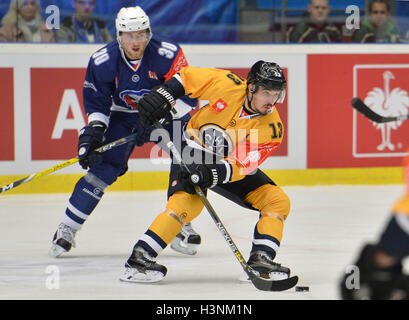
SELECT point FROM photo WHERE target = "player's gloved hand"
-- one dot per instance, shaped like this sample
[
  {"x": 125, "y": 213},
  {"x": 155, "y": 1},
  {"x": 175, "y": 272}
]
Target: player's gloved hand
[
  {"x": 156, "y": 105},
  {"x": 203, "y": 176},
  {"x": 91, "y": 137},
  {"x": 143, "y": 134}
]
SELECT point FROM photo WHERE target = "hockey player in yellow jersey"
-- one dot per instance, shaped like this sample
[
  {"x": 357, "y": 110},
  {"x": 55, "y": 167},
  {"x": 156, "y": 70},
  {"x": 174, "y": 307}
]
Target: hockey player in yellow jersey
[
  {"x": 381, "y": 275},
  {"x": 224, "y": 143}
]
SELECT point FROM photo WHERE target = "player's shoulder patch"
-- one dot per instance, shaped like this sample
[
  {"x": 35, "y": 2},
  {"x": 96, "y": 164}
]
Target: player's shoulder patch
[{"x": 219, "y": 106}]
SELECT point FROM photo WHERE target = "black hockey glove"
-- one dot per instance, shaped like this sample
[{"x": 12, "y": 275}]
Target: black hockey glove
[
  {"x": 91, "y": 137},
  {"x": 143, "y": 134},
  {"x": 203, "y": 176},
  {"x": 156, "y": 105}
]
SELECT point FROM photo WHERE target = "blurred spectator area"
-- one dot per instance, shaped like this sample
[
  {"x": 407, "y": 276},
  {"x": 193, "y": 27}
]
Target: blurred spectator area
[
  {"x": 225, "y": 21},
  {"x": 198, "y": 21},
  {"x": 268, "y": 20},
  {"x": 105, "y": 10}
]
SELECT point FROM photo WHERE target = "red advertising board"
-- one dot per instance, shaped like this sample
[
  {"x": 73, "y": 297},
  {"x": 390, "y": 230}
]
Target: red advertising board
[
  {"x": 56, "y": 110},
  {"x": 340, "y": 137},
  {"x": 7, "y": 114}
]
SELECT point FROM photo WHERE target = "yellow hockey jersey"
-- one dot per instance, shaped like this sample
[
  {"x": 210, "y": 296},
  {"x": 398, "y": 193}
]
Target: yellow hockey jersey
[{"x": 223, "y": 126}]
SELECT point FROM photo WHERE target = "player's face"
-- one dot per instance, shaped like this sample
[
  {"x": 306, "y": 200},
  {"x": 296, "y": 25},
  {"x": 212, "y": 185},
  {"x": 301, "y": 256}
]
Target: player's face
[
  {"x": 28, "y": 9},
  {"x": 134, "y": 43},
  {"x": 263, "y": 100},
  {"x": 318, "y": 10},
  {"x": 379, "y": 14}
]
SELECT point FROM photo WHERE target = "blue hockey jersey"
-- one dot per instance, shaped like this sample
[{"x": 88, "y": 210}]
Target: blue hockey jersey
[{"x": 112, "y": 83}]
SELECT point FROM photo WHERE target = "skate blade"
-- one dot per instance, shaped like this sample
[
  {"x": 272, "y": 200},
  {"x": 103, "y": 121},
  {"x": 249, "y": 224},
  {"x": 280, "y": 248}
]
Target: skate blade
[
  {"x": 56, "y": 251},
  {"x": 139, "y": 277},
  {"x": 272, "y": 276},
  {"x": 189, "y": 249}
]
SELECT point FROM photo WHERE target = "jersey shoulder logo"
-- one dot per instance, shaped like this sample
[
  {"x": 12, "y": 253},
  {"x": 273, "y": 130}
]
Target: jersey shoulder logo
[
  {"x": 152, "y": 75},
  {"x": 219, "y": 106},
  {"x": 90, "y": 85},
  {"x": 180, "y": 62}
]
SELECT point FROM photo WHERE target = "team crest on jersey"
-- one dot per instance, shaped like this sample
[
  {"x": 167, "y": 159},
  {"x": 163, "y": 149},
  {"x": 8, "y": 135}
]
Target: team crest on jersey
[
  {"x": 217, "y": 140},
  {"x": 152, "y": 75},
  {"x": 219, "y": 106},
  {"x": 132, "y": 97}
]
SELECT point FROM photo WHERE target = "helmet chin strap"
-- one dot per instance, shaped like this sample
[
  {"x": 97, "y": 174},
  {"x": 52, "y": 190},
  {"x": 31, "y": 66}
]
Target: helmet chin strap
[{"x": 249, "y": 100}]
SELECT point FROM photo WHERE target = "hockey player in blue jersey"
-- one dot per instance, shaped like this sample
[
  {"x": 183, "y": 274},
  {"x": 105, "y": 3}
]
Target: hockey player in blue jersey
[{"x": 117, "y": 77}]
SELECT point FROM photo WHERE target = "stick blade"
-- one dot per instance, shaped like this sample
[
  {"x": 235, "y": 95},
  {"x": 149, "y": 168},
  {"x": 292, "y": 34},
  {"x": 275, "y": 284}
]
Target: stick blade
[
  {"x": 361, "y": 107},
  {"x": 273, "y": 285}
]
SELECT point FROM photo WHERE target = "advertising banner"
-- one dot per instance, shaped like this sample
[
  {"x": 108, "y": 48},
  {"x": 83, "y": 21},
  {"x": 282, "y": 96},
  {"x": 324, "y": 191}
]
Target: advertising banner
[
  {"x": 56, "y": 112},
  {"x": 338, "y": 136},
  {"x": 7, "y": 114},
  {"x": 42, "y": 105}
]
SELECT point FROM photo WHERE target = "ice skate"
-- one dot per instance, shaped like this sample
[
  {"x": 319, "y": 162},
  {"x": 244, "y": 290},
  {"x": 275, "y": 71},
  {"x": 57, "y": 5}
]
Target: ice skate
[
  {"x": 186, "y": 241},
  {"x": 63, "y": 240},
  {"x": 265, "y": 267},
  {"x": 142, "y": 267}
]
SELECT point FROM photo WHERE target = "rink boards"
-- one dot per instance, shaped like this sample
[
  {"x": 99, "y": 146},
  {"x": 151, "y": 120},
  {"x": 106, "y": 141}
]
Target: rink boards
[{"x": 325, "y": 140}]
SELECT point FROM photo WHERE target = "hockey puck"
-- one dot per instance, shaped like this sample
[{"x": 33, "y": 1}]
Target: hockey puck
[{"x": 302, "y": 289}]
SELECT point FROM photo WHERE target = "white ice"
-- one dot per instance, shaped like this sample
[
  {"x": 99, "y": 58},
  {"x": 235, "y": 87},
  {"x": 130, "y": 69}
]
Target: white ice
[{"x": 326, "y": 227}]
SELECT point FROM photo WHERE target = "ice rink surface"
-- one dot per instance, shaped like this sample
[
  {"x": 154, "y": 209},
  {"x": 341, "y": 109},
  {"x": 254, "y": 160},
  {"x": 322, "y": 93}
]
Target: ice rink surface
[{"x": 322, "y": 235}]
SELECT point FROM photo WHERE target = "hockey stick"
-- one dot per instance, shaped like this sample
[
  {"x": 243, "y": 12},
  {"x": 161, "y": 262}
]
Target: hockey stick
[
  {"x": 259, "y": 282},
  {"x": 66, "y": 163},
  {"x": 360, "y": 106}
]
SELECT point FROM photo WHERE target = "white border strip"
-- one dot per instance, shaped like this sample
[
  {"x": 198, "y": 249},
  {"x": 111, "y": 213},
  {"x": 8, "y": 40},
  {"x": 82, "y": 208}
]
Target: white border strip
[{"x": 216, "y": 49}]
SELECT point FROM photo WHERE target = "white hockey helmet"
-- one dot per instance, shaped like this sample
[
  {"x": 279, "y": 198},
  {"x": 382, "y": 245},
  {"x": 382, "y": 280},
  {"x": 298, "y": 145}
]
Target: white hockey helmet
[{"x": 131, "y": 19}]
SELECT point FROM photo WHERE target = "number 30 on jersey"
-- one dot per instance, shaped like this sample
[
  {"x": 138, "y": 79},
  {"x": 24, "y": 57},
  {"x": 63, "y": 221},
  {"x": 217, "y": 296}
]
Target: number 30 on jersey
[
  {"x": 100, "y": 56},
  {"x": 167, "y": 50}
]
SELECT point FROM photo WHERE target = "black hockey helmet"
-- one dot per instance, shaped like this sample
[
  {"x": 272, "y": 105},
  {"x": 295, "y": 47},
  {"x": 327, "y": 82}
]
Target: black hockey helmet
[{"x": 267, "y": 75}]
